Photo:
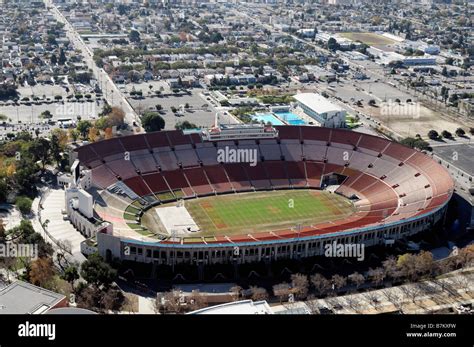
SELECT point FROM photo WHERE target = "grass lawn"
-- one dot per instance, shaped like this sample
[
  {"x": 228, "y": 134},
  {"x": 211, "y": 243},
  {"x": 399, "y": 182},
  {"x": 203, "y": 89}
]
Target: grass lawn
[
  {"x": 265, "y": 211},
  {"x": 132, "y": 210}
]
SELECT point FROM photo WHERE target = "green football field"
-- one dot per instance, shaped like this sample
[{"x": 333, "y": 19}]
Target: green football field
[{"x": 265, "y": 211}]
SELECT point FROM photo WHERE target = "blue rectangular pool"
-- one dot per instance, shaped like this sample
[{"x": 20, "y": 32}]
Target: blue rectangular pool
[
  {"x": 290, "y": 118},
  {"x": 267, "y": 117}
]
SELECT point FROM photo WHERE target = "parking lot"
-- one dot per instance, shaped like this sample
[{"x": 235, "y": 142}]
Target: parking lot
[
  {"x": 197, "y": 113},
  {"x": 459, "y": 155},
  {"x": 405, "y": 119}
]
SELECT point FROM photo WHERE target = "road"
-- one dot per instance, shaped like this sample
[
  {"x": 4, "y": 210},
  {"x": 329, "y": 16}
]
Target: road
[{"x": 109, "y": 89}]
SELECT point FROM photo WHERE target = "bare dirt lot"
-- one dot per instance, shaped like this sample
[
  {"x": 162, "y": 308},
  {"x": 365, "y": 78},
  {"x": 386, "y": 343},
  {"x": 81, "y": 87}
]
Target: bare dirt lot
[{"x": 406, "y": 123}]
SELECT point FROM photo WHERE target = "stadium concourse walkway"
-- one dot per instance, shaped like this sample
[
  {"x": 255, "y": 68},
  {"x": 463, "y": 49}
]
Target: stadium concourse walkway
[{"x": 57, "y": 229}]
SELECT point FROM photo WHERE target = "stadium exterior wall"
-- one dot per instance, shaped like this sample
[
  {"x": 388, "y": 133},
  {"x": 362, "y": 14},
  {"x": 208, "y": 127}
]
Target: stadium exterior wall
[{"x": 169, "y": 254}]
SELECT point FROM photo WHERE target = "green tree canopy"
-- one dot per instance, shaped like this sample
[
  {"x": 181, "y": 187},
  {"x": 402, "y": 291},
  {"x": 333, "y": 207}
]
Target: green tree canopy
[{"x": 152, "y": 121}]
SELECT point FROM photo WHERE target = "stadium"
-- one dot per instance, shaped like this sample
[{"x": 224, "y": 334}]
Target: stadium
[{"x": 169, "y": 197}]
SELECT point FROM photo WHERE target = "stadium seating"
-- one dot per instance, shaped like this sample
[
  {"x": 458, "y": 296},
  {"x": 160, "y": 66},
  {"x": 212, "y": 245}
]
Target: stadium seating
[
  {"x": 198, "y": 181},
  {"x": 386, "y": 181},
  {"x": 218, "y": 178}
]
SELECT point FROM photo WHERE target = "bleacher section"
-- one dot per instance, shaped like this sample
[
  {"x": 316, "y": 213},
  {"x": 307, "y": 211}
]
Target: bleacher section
[{"x": 388, "y": 182}]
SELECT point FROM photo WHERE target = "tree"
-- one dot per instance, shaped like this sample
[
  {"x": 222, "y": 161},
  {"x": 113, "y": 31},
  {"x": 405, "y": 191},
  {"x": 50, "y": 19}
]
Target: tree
[
  {"x": 377, "y": 275},
  {"x": 196, "y": 300},
  {"x": 258, "y": 293},
  {"x": 42, "y": 272},
  {"x": 411, "y": 291},
  {"x": 338, "y": 281},
  {"x": 424, "y": 263},
  {"x": 2, "y": 231},
  {"x": 56, "y": 148},
  {"x": 88, "y": 297},
  {"x": 25, "y": 175},
  {"x": 41, "y": 150},
  {"x": 152, "y": 122},
  {"x": 134, "y": 36},
  {"x": 466, "y": 255},
  {"x": 106, "y": 109},
  {"x": 112, "y": 300},
  {"x": 62, "y": 57},
  {"x": 433, "y": 135},
  {"x": 108, "y": 133},
  {"x": 415, "y": 143},
  {"x": 460, "y": 132},
  {"x": 320, "y": 283},
  {"x": 25, "y": 233},
  {"x": 8, "y": 91},
  {"x": 372, "y": 298},
  {"x": 390, "y": 267},
  {"x": 169, "y": 302},
  {"x": 392, "y": 297},
  {"x": 23, "y": 203},
  {"x": 357, "y": 278},
  {"x": 71, "y": 274},
  {"x": 446, "y": 134},
  {"x": 83, "y": 127},
  {"x": 185, "y": 125},
  {"x": 236, "y": 291},
  {"x": 332, "y": 44},
  {"x": 116, "y": 117},
  {"x": 97, "y": 272},
  {"x": 281, "y": 291},
  {"x": 300, "y": 285},
  {"x": 74, "y": 135},
  {"x": 46, "y": 115},
  {"x": 61, "y": 136},
  {"x": 3, "y": 190},
  {"x": 407, "y": 265}
]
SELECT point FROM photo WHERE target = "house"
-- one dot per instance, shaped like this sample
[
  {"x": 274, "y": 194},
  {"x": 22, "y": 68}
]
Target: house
[{"x": 173, "y": 83}]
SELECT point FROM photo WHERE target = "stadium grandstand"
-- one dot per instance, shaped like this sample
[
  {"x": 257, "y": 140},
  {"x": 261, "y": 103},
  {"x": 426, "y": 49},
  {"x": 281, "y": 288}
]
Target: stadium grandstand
[{"x": 370, "y": 190}]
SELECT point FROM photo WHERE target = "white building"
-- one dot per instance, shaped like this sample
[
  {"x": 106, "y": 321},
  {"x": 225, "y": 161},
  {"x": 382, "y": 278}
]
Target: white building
[
  {"x": 388, "y": 57},
  {"x": 238, "y": 307},
  {"x": 323, "y": 111}
]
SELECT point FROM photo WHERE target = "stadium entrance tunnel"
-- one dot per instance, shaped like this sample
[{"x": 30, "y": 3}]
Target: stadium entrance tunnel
[{"x": 332, "y": 179}]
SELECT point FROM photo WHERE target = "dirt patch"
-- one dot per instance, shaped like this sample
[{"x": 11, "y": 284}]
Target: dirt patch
[
  {"x": 273, "y": 210},
  {"x": 206, "y": 205}
]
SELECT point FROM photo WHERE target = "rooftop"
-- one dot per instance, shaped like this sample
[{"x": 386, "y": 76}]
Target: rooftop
[
  {"x": 25, "y": 298},
  {"x": 238, "y": 307},
  {"x": 317, "y": 102}
]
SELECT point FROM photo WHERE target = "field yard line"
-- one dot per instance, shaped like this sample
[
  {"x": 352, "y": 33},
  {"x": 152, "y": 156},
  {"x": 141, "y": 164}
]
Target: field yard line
[{"x": 205, "y": 212}]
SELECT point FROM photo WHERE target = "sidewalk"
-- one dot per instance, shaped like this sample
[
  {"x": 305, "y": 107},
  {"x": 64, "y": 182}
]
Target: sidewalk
[{"x": 412, "y": 298}]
